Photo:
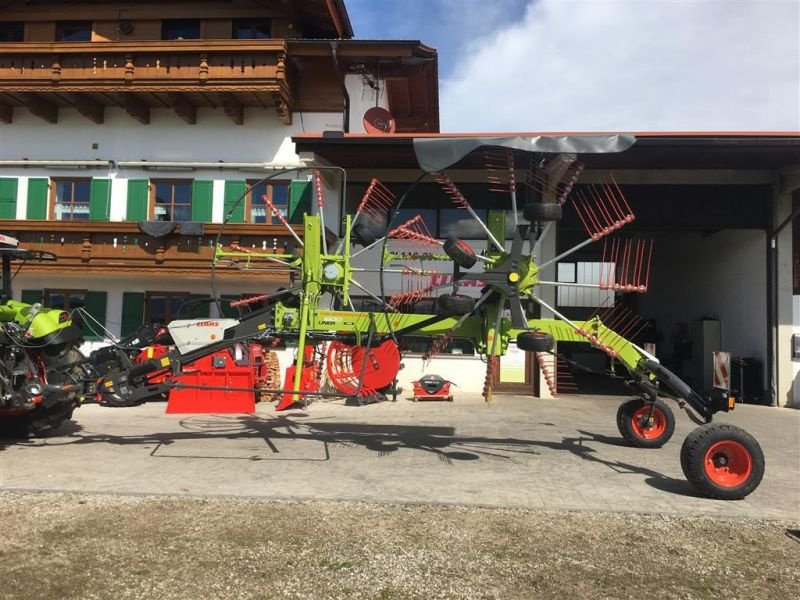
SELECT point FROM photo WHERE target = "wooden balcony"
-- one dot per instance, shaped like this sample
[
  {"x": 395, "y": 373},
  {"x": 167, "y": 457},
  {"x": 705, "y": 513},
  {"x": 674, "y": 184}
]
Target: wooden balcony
[
  {"x": 137, "y": 76},
  {"x": 121, "y": 249}
]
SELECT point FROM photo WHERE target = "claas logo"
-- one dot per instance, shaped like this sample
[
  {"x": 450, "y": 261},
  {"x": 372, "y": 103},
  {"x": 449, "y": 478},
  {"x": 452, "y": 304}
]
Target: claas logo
[{"x": 208, "y": 324}]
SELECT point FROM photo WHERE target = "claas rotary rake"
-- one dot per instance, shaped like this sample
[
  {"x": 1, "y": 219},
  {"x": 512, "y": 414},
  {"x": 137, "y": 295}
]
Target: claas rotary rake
[{"x": 357, "y": 352}]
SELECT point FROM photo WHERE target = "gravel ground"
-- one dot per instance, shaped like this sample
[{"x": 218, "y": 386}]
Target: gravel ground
[{"x": 106, "y": 546}]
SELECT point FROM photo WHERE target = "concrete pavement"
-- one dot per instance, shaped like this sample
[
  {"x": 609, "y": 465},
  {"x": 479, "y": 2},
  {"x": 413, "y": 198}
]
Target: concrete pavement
[{"x": 519, "y": 452}]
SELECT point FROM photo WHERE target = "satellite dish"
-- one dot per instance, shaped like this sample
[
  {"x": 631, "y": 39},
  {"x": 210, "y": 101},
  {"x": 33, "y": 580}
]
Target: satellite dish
[{"x": 379, "y": 120}]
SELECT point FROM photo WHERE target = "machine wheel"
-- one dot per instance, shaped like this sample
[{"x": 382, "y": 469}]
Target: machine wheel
[
  {"x": 542, "y": 211},
  {"x": 455, "y": 304},
  {"x": 363, "y": 234},
  {"x": 460, "y": 253},
  {"x": 634, "y": 425},
  {"x": 535, "y": 341},
  {"x": 722, "y": 461},
  {"x": 62, "y": 368}
]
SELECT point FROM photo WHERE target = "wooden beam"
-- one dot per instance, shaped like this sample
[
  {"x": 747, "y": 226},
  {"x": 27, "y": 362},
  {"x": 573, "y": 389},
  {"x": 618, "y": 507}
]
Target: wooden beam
[
  {"x": 282, "y": 108},
  {"x": 136, "y": 107},
  {"x": 233, "y": 108},
  {"x": 44, "y": 109},
  {"x": 6, "y": 113},
  {"x": 183, "y": 108},
  {"x": 94, "y": 111}
]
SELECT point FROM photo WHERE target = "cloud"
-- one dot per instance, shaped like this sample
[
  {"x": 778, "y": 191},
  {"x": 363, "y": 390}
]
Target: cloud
[
  {"x": 451, "y": 26},
  {"x": 631, "y": 66}
]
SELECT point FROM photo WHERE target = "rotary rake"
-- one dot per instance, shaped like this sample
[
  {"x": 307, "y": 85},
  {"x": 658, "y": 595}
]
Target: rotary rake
[{"x": 318, "y": 315}]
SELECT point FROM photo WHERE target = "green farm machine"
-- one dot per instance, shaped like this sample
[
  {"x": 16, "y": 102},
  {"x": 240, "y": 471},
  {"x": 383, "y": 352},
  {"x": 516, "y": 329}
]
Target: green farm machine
[{"x": 359, "y": 350}]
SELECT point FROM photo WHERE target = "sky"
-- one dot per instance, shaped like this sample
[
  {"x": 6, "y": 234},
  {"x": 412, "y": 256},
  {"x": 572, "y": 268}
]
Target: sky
[{"x": 603, "y": 65}]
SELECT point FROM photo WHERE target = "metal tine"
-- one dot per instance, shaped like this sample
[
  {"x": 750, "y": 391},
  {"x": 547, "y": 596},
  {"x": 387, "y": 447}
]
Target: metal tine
[
  {"x": 608, "y": 220},
  {"x": 413, "y": 286},
  {"x": 622, "y": 198},
  {"x": 375, "y": 203},
  {"x": 460, "y": 201},
  {"x": 319, "y": 190},
  {"x": 282, "y": 219}
]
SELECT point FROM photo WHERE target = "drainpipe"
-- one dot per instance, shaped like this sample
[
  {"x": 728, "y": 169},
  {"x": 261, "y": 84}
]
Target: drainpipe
[{"x": 337, "y": 67}]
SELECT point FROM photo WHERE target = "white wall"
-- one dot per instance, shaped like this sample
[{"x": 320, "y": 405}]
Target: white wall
[
  {"x": 263, "y": 137},
  {"x": 362, "y": 98},
  {"x": 718, "y": 276}
]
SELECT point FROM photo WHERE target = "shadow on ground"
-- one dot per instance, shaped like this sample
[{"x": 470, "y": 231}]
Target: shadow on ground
[{"x": 384, "y": 440}]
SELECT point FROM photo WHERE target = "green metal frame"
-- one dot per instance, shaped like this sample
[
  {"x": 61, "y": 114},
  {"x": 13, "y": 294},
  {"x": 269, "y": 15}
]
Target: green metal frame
[{"x": 332, "y": 273}]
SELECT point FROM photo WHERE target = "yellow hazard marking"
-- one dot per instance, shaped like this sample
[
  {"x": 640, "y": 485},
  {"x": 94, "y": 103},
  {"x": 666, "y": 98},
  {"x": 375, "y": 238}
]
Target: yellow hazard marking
[
  {"x": 149, "y": 352},
  {"x": 165, "y": 362},
  {"x": 108, "y": 384},
  {"x": 262, "y": 326}
]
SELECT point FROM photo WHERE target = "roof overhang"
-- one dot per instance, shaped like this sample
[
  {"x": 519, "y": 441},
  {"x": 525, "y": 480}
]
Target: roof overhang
[{"x": 650, "y": 150}]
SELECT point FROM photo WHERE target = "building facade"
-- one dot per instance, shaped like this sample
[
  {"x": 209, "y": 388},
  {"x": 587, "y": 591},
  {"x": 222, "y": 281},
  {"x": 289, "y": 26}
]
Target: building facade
[{"x": 129, "y": 131}]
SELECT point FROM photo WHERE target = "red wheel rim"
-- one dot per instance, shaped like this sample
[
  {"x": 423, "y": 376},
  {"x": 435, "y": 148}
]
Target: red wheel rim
[
  {"x": 728, "y": 463},
  {"x": 649, "y": 428}
]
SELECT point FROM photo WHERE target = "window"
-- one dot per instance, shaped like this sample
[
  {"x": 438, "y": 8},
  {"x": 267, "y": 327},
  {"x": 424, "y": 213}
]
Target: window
[
  {"x": 71, "y": 199},
  {"x": 421, "y": 345},
  {"x": 591, "y": 273},
  {"x": 458, "y": 222},
  {"x": 278, "y": 194},
  {"x": 74, "y": 31},
  {"x": 65, "y": 299},
  {"x": 252, "y": 29},
  {"x": 12, "y": 31},
  {"x": 180, "y": 29},
  {"x": 163, "y": 307},
  {"x": 68, "y": 300},
  {"x": 438, "y": 212},
  {"x": 172, "y": 200}
]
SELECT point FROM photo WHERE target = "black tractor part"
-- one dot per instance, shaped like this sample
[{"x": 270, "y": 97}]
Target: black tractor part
[
  {"x": 432, "y": 384},
  {"x": 542, "y": 211},
  {"x": 455, "y": 304},
  {"x": 535, "y": 341},
  {"x": 460, "y": 253}
]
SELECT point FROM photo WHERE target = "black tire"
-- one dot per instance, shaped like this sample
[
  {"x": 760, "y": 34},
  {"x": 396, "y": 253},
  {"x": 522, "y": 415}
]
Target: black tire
[
  {"x": 542, "y": 211},
  {"x": 635, "y": 427},
  {"x": 362, "y": 234},
  {"x": 460, "y": 253},
  {"x": 722, "y": 461},
  {"x": 535, "y": 341},
  {"x": 61, "y": 370},
  {"x": 455, "y": 304}
]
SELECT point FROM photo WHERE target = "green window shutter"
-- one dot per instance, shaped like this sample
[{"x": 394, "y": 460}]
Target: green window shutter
[
  {"x": 31, "y": 296},
  {"x": 100, "y": 200},
  {"x": 233, "y": 191},
  {"x": 95, "y": 306},
  {"x": 8, "y": 197},
  {"x": 138, "y": 200},
  {"x": 132, "y": 312},
  {"x": 202, "y": 197},
  {"x": 38, "y": 189},
  {"x": 299, "y": 200}
]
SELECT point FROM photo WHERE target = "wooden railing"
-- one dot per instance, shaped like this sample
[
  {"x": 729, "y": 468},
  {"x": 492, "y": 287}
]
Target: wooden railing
[
  {"x": 146, "y": 65},
  {"x": 120, "y": 248}
]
